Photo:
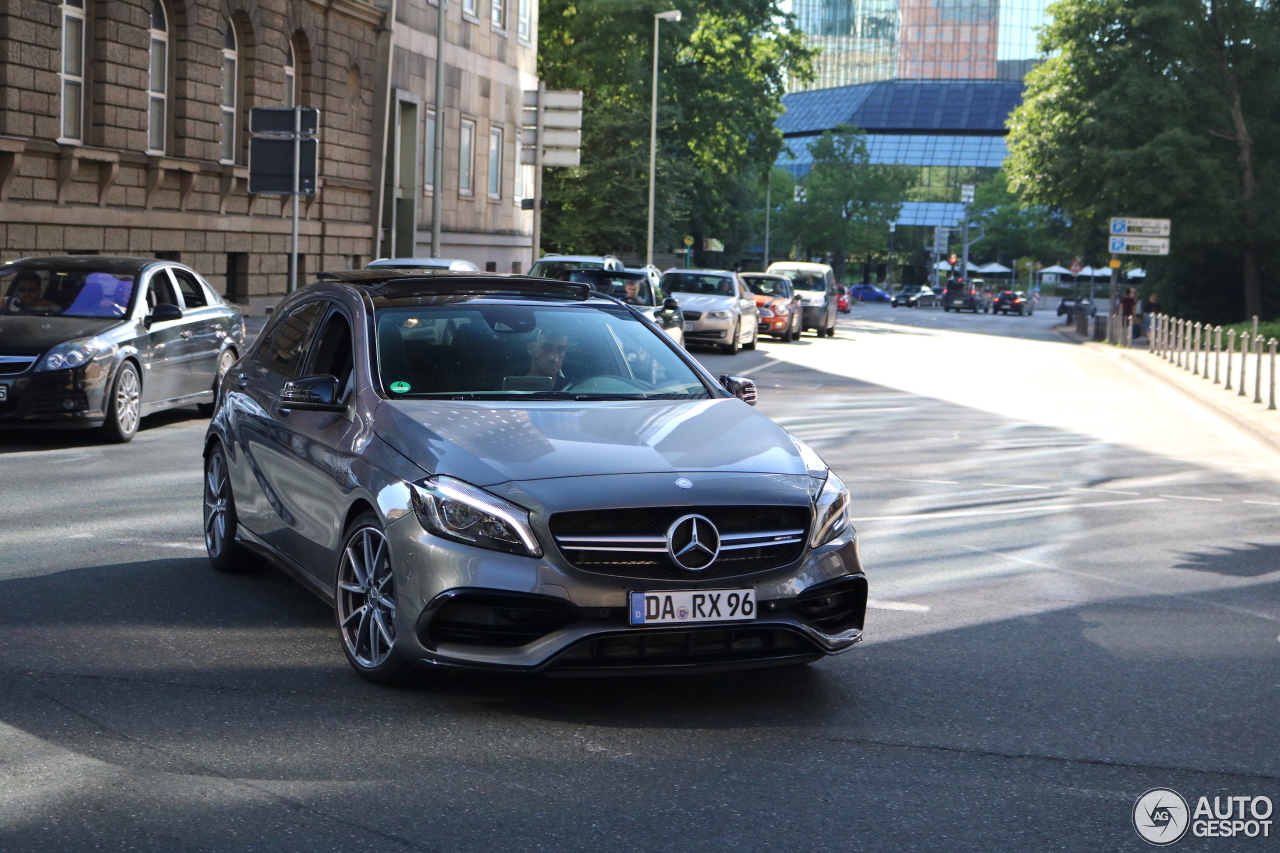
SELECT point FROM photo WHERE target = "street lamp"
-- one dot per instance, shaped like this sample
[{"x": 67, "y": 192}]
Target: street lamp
[{"x": 658, "y": 18}]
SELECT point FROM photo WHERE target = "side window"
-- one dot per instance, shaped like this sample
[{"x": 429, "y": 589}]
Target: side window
[
  {"x": 160, "y": 290},
  {"x": 333, "y": 354},
  {"x": 192, "y": 293},
  {"x": 283, "y": 349}
]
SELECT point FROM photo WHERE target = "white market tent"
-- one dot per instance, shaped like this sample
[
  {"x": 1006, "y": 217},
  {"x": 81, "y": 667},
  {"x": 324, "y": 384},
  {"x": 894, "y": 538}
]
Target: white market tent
[
  {"x": 946, "y": 266},
  {"x": 1055, "y": 270},
  {"x": 994, "y": 269},
  {"x": 1138, "y": 273}
]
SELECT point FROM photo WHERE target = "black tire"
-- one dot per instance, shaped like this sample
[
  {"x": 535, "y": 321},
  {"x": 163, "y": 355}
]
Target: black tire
[
  {"x": 220, "y": 523},
  {"x": 789, "y": 335},
  {"x": 364, "y": 604},
  {"x": 831, "y": 330},
  {"x": 734, "y": 345},
  {"x": 225, "y": 359},
  {"x": 123, "y": 405},
  {"x": 755, "y": 336}
]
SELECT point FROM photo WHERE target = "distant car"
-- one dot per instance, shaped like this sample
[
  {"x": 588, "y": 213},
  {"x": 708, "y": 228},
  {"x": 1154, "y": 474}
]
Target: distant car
[
  {"x": 654, "y": 274},
  {"x": 451, "y": 264},
  {"x": 777, "y": 305},
  {"x": 914, "y": 296},
  {"x": 93, "y": 341},
  {"x": 1070, "y": 304},
  {"x": 962, "y": 295},
  {"x": 551, "y": 266},
  {"x": 637, "y": 289},
  {"x": 718, "y": 308},
  {"x": 869, "y": 293},
  {"x": 815, "y": 284},
  {"x": 1014, "y": 301}
]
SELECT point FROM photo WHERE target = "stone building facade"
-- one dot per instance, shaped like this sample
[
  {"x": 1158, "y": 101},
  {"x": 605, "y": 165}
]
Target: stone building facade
[{"x": 124, "y": 130}]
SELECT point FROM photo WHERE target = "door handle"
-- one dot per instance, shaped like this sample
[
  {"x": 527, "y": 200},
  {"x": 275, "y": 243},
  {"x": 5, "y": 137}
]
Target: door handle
[
  {"x": 186, "y": 333},
  {"x": 242, "y": 380}
]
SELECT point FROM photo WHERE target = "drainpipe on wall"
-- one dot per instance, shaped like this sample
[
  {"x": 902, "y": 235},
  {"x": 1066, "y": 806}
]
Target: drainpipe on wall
[{"x": 384, "y": 50}]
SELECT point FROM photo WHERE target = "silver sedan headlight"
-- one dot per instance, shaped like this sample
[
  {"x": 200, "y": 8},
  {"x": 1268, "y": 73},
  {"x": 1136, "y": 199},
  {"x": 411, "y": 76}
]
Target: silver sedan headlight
[
  {"x": 717, "y": 315},
  {"x": 831, "y": 511},
  {"x": 457, "y": 510}
]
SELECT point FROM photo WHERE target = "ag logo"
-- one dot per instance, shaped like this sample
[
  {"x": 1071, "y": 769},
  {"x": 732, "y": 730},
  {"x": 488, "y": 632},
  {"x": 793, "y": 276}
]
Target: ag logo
[{"x": 1161, "y": 817}]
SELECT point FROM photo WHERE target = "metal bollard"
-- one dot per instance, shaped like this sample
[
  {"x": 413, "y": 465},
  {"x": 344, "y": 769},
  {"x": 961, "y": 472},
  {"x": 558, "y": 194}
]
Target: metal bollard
[
  {"x": 1272, "y": 406},
  {"x": 1217, "y": 353},
  {"x": 1177, "y": 343},
  {"x": 1195, "y": 346},
  {"x": 1244, "y": 361},
  {"x": 1257, "y": 370},
  {"x": 1231, "y": 349}
]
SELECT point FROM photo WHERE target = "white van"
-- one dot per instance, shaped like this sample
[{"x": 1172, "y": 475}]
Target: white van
[{"x": 815, "y": 284}]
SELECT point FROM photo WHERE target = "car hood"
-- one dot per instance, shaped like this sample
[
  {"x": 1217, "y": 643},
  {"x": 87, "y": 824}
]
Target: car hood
[
  {"x": 704, "y": 301},
  {"x": 490, "y": 443},
  {"x": 812, "y": 297},
  {"x": 32, "y": 334}
]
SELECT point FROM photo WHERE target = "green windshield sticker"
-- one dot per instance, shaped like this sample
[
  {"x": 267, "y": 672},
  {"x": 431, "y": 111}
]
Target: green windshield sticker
[{"x": 400, "y": 387}]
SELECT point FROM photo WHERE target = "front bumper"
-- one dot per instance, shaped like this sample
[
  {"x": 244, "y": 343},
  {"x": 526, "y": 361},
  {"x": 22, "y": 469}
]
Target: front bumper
[
  {"x": 704, "y": 330},
  {"x": 590, "y": 633},
  {"x": 814, "y": 316},
  {"x": 60, "y": 399},
  {"x": 774, "y": 324}
]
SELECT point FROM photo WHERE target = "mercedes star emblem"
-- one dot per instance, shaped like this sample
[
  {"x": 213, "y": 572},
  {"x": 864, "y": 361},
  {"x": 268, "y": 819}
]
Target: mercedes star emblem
[
  {"x": 684, "y": 483},
  {"x": 693, "y": 542}
]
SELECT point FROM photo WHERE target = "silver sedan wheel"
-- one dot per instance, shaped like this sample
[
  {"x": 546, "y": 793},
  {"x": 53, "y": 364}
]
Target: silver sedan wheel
[
  {"x": 367, "y": 598},
  {"x": 128, "y": 396},
  {"x": 215, "y": 505}
]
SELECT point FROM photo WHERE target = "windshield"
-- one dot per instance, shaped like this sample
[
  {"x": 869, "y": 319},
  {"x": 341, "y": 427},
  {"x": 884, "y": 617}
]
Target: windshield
[
  {"x": 633, "y": 288},
  {"x": 556, "y": 269},
  {"x": 476, "y": 351},
  {"x": 66, "y": 292},
  {"x": 700, "y": 283},
  {"x": 800, "y": 280},
  {"x": 763, "y": 286}
]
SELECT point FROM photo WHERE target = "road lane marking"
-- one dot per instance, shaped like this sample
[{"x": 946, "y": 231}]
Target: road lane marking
[
  {"x": 1019, "y": 510},
  {"x": 938, "y": 482},
  {"x": 1105, "y": 491},
  {"x": 1262, "y": 503},
  {"x": 897, "y": 605},
  {"x": 1007, "y": 486},
  {"x": 1190, "y": 498},
  {"x": 752, "y": 370}
]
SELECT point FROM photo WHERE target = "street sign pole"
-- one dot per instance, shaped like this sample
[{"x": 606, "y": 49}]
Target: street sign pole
[
  {"x": 966, "y": 195},
  {"x": 768, "y": 204},
  {"x": 537, "y": 173},
  {"x": 297, "y": 171},
  {"x": 1115, "y": 282},
  {"x": 437, "y": 155}
]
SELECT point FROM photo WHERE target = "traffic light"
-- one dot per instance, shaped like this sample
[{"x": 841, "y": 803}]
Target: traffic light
[{"x": 953, "y": 260}]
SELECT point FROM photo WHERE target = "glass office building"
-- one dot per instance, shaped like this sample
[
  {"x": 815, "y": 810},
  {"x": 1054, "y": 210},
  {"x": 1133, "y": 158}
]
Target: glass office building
[{"x": 866, "y": 41}]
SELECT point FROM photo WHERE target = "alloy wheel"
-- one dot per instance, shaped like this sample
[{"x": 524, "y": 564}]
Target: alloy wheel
[
  {"x": 128, "y": 398},
  {"x": 366, "y": 598},
  {"x": 215, "y": 505}
]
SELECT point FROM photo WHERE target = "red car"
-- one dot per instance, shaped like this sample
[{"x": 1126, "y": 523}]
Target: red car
[
  {"x": 777, "y": 306},
  {"x": 842, "y": 299}
]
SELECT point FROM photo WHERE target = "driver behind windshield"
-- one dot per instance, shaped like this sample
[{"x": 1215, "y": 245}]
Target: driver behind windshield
[
  {"x": 25, "y": 296},
  {"x": 546, "y": 356}
]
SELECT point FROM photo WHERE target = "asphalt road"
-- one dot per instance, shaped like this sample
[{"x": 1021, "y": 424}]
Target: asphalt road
[{"x": 1074, "y": 572}]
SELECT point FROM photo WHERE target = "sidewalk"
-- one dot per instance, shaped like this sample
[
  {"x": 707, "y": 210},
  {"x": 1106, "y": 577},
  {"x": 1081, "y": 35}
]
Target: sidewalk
[{"x": 1252, "y": 417}]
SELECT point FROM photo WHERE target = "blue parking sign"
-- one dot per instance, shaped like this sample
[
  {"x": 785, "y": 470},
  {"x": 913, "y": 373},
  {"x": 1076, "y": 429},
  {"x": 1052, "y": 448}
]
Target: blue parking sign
[
  {"x": 1117, "y": 244},
  {"x": 1119, "y": 226}
]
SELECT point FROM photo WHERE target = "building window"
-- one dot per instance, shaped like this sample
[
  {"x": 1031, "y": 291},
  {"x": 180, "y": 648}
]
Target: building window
[
  {"x": 499, "y": 13},
  {"x": 429, "y": 154},
  {"x": 290, "y": 77},
  {"x": 230, "y": 64},
  {"x": 158, "y": 81},
  {"x": 469, "y": 8},
  {"x": 495, "y": 162},
  {"x": 524, "y": 22},
  {"x": 72, "y": 70},
  {"x": 524, "y": 182},
  {"x": 466, "y": 158}
]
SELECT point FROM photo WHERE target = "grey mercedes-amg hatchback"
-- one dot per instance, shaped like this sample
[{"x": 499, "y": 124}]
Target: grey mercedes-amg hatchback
[{"x": 509, "y": 473}]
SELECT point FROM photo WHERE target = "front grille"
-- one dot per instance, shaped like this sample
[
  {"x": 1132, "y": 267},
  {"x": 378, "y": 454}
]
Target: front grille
[
  {"x": 633, "y": 542},
  {"x": 692, "y": 315},
  {"x": 651, "y": 649},
  {"x": 495, "y": 620},
  {"x": 11, "y": 365}
]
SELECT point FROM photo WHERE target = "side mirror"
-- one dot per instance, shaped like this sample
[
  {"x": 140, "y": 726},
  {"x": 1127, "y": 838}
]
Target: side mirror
[
  {"x": 163, "y": 313},
  {"x": 742, "y": 388},
  {"x": 312, "y": 394},
  {"x": 670, "y": 304}
]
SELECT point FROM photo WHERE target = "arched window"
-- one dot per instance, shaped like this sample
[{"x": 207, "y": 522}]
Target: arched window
[
  {"x": 158, "y": 80},
  {"x": 72, "y": 70},
  {"x": 290, "y": 76},
  {"x": 230, "y": 92}
]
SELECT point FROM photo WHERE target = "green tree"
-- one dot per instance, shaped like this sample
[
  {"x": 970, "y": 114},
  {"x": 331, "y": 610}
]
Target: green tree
[
  {"x": 723, "y": 72},
  {"x": 1162, "y": 108},
  {"x": 849, "y": 202},
  {"x": 1015, "y": 229}
]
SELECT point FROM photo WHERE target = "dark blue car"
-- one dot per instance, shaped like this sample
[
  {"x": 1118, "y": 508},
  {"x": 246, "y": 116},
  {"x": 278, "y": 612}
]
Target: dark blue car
[{"x": 868, "y": 293}]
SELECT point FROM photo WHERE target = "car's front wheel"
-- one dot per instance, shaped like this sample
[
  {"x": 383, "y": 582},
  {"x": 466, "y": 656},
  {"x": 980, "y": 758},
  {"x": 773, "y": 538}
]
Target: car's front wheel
[
  {"x": 220, "y": 521},
  {"x": 225, "y": 360},
  {"x": 365, "y": 603},
  {"x": 124, "y": 405},
  {"x": 735, "y": 342}
]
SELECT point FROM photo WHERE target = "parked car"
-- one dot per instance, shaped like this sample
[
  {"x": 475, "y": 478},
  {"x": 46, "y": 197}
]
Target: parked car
[
  {"x": 636, "y": 288},
  {"x": 815, "y": 284},
  {"x": 96, "y": 341},
  {"x": 914, "y": 296},
  {"x": 777, "y": 305},
  {"x": 869, "y": 293},
  {"x": 551, "y": 266},
  {"x": 1068, "y": 305},
  {"x": 1014, "y": 301},
  {"x": 555, "y": 487},
  {"x": 718, "y": 308},
  {"x": 962, "y": 295},
  {"x": 452, "y": 264}
]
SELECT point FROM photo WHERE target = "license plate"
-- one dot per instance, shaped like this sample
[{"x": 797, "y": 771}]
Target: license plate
[
  {"x": 703, "y": 605},
  {"x": 688, "y": 327},
  {"x": 4, "y": 393}
]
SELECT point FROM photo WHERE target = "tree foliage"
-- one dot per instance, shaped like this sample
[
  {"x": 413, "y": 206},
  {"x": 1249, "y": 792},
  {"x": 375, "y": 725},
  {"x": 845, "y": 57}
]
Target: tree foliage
[
  {"x": 723, "y": 70},
  {"x": 1015, "y": 229},
  {"x": 1163, "y": 108}
]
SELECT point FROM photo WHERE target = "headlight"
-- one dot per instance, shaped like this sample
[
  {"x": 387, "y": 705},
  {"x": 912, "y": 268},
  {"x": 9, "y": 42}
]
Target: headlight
[
  {"x": 831, "y": 511},
  {"x": 717, "y": 315},
  {"x": 459, "y": 511},
  {"x": 782, "y": 309},
  {"x": 72, "y": 354}
]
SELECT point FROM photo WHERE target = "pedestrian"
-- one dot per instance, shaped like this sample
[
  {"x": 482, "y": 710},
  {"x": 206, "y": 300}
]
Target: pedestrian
[
  {"x": 1152, "y": 310},
  {"x": 1128, "y": 305}
]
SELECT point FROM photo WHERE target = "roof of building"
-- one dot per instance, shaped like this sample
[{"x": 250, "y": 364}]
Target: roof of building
[{"x": 904, "y": 106}]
